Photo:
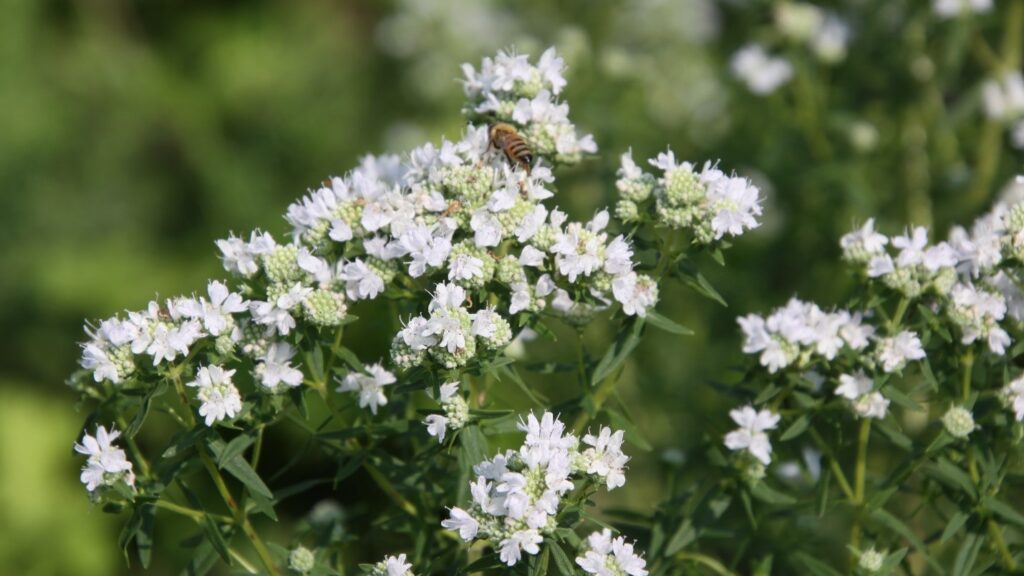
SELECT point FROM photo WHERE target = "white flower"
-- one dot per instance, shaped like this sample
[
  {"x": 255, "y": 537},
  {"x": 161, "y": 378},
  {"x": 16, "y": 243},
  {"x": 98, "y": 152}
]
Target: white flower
[
  {"x": 637, "y": 293},
  {"x": 487, "y": 229},
  {"x": 216, "y": 313},
  {"x": 392, "y": 566},
  {"x": 107, "y": 464},
  {"x": 858, "y": 389},
  {"x": 751, "y": 435},
  {"x": 361, "y": 281},
  {"x": 510, "y": 549},
  {"x": 895, "y": 351},
  {"x": 735, "y": 203},
  {"x": 275, "y": 369},
  {"x": 426, "y": 249},
  {"x": 218, "y": 394},
  {"x": 1013, "y": 395},
  {"x": 465, "y": 267},
  {"x": 605, "y": 458},
  {"x": 370, "y": 386},
  {"x": 531, "y": 256},
  {"x": 955, "y": 8},
  {"x": 978, "y": 312},
  {"x": 607, "y": 556},
  {"x": 437, "y": 425},
  {"x": 461, "y": 521},
  {"x": 862, "y": 244},
  {"x": 762, "y": 74}
]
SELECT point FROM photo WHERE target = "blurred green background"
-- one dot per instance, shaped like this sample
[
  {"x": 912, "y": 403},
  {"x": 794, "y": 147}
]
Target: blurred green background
[{"x": 135, "y": 133}]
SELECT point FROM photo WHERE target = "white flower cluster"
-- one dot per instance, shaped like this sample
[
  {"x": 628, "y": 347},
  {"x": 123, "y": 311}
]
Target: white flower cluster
[
  {"x": 917, "y": 267},
  {"x": 824, "y": 32},
  {"x": 458, "y": 216},
  {"x": 1003, "y": 100},
  {"x": 978, "y": 312},
  {"x": 800, "y": 333},
  {"x": 1013, "y": 396},
  {"x": 707, "y": 201},
  {"x": 456, "y": 412},
  {"x": 451, "y": 335},
  {"x": 751, "y": 436},
  {"x": 958, "y": 8},
  {"x": 864, "y": 400},
  {"x": 392, "y": 566},
  {"x": 510, "y": 89},
  {"x": 517, "y": 495},
  {"x": 220, "y": 399},
  {"x": 107, "y": 464},
  {"x": 164, "y": 333},
  {"x": 759, "y": 71},
  {"x": 606, "y": 556},
  {"x": 369, "y": 386}
]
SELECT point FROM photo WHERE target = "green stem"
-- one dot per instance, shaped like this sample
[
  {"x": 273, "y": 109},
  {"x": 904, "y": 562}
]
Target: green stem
[
  {"x": 133, "y": 448},
  {"x": 601, "y": 394},
  {"x": 197, "y": 515},
  {"x": 968, "y": 363},
  {"x": 860, "y": 473},
  {"x": 897, "y": 317},
  {"x": 241, "y": 518},
  {"x": 997, "y": 536},
  {"x": 385, "y": 485},
  {"x": 580, "y": 361},
  {"x": 837, "y": 470}
]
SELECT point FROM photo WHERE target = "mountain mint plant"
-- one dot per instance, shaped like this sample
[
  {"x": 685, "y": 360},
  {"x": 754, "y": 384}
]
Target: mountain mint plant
[{"x": 852, "y": 423}]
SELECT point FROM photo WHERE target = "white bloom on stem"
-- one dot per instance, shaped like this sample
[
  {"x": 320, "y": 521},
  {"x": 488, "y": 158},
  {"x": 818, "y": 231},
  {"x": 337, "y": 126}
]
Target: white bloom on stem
[
  {"x": 605, "y": 458},
  {"x": 217, "y": 392},
  {"x": 751, "y": 435},
  {"x": 107, "y": 464},
  {"x": 370, "y": 386},
  {"x": 216, "y": 314},
  {"x": 864, "y": 243},
  {"x": 895, "y": 351},
  {"x": 858, "y": 388},
  {"x": 462, "y": 522},
  {"x": 361, "y": 281},
  {"x": 511, "y": 549},
  {"x": 759, "y": 71},
  {"x": 275, "y": 369},
  {"x": 1013, "y": 396},
  {"x": 637, "y": 293},
  {"x": 607, "y": 556}
]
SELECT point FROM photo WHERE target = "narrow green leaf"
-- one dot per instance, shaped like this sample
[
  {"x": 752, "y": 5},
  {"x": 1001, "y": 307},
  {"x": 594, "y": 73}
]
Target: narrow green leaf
[
  {"x": 681, "y": 538},
  {"x": 618, "y": 352},
  {"x": 633, "y": 436},
  {"x": 667, "y": 324},
  {"x": 967, "y": 555},
  {"x": 316, "y": 364},
  {"x": 769, "y": 495},
  {"x": 236, "y": 447},
  {"x": 953, "y": 526},
  {"x": 216, "y": 539},
  {"x": 510, "y": 373},
  {"x": 563, "y": 563},
  {"x": 240, "y": 469},
  {"x": 147, "y": 403},
  {"x": 1004, "y": 510},
  {"x": 798, "y": 427}
]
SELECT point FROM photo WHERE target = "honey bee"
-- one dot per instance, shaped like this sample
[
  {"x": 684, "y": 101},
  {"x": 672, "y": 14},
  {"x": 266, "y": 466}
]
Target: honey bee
[{"x": 506, "y": 138}]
